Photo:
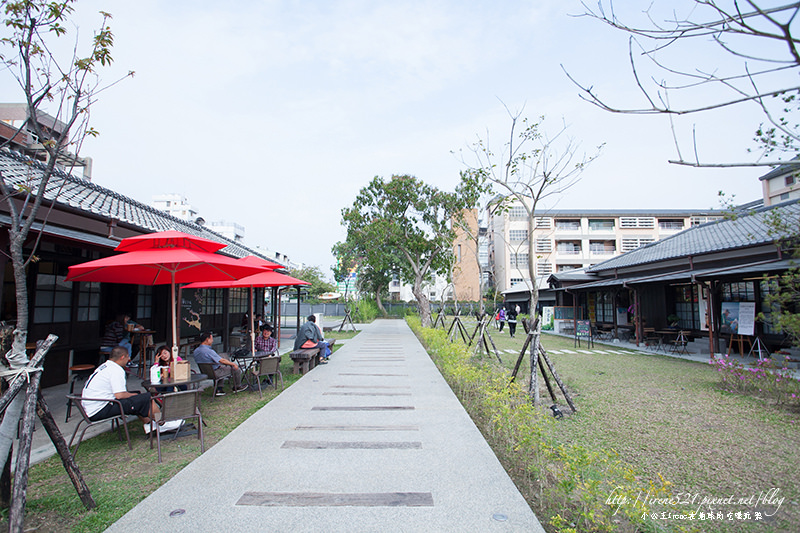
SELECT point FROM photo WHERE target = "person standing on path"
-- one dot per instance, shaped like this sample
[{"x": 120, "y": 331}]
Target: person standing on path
[
  {"x": 512, "y": 321},
  {"x": 501, "y": 317}
]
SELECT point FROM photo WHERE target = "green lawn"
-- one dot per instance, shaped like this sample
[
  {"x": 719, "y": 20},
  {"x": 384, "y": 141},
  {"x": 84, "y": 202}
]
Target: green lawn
[
  {"x": 118, "y": 478},
  {"x": 669, "y": 417}
]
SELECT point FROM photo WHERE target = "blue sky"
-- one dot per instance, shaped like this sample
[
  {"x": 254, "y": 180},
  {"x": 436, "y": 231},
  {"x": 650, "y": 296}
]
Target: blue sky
[{"x": 274, "y": 114}]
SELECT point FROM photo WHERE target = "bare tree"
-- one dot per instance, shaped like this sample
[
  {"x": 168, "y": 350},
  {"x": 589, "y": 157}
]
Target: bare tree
[
  {"x": 58, "y": 93},
  {"x": 754, "y": 60},
  {"x": 532, "y": 167}
]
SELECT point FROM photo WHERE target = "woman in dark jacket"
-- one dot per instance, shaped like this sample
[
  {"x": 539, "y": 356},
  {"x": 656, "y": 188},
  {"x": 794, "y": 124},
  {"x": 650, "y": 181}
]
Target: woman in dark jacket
[{"x": 511, "y": 317}]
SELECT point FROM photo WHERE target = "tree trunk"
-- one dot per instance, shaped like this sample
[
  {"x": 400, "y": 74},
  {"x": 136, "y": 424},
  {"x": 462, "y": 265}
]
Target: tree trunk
[
  {"x": 11, "y": 402},
  {"x": 533, "y": 389},
  {"x": 423, "y": 303},
  {"x": 379, "y": 303}
]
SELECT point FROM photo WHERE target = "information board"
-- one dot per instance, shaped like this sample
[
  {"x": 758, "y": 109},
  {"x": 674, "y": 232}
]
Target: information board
[
  {"x": 738, "y": 318},
  {"x": 190, "y": 308},
  {"x": 583, "y": 329}
]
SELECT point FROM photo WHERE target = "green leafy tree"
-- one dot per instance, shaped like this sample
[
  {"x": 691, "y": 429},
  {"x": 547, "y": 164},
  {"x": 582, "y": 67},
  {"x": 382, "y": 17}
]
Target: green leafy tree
[
  {"x": 347, "y": 261},
  {"x": 375, "y": 265},
  {"x": 412, "y": 220},
  {"x": 57, "y": 90},
  {"x": 375, "y": 281},
  {"x": 783, "y": 298},
  {"x": 313, "y": 275}
]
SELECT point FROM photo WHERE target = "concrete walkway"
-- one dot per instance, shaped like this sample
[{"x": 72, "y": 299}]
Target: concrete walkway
[{"x": 373, "y": 441}]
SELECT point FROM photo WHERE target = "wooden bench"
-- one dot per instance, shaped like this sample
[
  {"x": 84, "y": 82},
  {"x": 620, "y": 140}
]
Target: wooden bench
[{"x": 304, "y": 360}]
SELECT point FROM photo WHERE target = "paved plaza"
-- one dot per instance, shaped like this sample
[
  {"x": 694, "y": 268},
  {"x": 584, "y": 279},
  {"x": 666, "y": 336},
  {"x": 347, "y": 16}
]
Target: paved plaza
[{"x": 373, "y": 441}]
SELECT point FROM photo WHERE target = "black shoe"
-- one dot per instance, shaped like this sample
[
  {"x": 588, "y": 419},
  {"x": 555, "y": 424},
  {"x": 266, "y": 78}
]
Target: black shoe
[
  {"x": 242, "y": 387},
  {"x": 220, "y": 392}
]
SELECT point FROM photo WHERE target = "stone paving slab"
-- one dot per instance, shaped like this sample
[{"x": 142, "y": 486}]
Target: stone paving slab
[{"x": 373, "y": 441}]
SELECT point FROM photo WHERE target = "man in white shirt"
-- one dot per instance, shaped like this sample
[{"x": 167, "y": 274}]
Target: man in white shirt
[{"x": 108, "y": 383}]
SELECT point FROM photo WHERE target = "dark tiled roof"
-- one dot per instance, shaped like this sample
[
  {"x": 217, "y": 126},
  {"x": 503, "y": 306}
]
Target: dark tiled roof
[
  {"x": 21, "y": 171},
  {"x": 727, "y": 234},
  {"x": 782, "y": 169}
]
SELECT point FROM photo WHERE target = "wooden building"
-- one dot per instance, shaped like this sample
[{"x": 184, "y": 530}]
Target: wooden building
[
  {"x": 695, "y": 278},
  {"x": 80, "y": 221}
]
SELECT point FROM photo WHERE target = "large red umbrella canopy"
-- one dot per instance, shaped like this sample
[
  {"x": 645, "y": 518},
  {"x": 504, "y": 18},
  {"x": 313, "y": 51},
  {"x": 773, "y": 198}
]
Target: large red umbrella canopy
[
  {"x": 168, "y": 239},
  {"x": 159, "y": 259},
  {"x": 161, "y": 266},
  {"x": 267, "y": 278}
]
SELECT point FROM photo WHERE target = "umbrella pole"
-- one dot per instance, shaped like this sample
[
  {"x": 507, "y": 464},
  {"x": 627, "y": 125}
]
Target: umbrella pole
[
  {"x": 173, "y": 312},
  {"x": 252, "y": 325}
]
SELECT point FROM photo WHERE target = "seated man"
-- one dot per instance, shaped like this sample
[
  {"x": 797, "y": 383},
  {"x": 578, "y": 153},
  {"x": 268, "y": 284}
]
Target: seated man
[
  {"x": 310, "y": 336},
  {"x": 118, "y": 333},
  {"x": 222, "y": 367},
  {"x": 265, "y": 344},
  {"x": 108, "y": 383}
]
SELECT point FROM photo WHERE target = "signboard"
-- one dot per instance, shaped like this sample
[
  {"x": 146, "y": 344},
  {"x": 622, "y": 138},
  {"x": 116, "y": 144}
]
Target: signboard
[
  {"x": 747, "y": 318},
  {"x": 191, "y": 306},
  {"x": 583, "y": 329},
  {"x": 547, "y": 315},
  {"x": 622, "y": 316},
  {"x": 738, "y": 318}
]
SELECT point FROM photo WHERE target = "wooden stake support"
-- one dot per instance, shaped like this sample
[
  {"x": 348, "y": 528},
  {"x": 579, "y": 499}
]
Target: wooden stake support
[
  {"x": 35, "y": 405},
  {"x": 483, "y": 328},
  {"x": 461, "y": 329},
  {"x": 440, "y": 319},
  {"x": 540, "y": 358},
  {"x": 346, "y": 320}
]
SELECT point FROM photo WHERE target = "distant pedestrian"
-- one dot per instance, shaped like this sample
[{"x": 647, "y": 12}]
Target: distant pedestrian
[
  {"x": 501, "y": 318},
  {"x": 512, "y": 321}
]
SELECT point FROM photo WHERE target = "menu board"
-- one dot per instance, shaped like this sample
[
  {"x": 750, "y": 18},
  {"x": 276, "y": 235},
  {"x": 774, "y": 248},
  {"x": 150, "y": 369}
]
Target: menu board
[
  {"x": 190, "y": 307},
  {"x": 583, "y": 329}
]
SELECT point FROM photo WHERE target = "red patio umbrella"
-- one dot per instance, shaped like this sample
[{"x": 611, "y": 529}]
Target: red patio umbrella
[
  {"x": 169, "y": 239},
  {"x": 161, "y": 258},
  {"x": 267, "y": 278}
]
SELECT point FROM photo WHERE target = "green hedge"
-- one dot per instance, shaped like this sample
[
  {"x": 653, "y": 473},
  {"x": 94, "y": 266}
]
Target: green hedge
[{"x": 572, "y": 486}]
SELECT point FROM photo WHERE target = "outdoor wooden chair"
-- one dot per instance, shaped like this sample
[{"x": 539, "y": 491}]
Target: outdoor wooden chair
[
  {"x": 651, "y": 338},
  {"x": 178, "y": 406},
  {"x": 208, "y": 370},
  {"x": 268, "y": 367},
  {"x": 678, "y": 346},
  {"x": 115, "y": 421}
]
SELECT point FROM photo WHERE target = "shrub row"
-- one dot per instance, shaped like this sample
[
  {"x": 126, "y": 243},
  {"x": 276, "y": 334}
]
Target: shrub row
[
  {"x": 766, "y": 378},
  {"x": 576, "y": 488}
]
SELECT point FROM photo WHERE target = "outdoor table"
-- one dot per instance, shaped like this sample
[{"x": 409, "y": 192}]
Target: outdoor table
[
  {"x": 191, "y": 383},
  {"x": 666, "y": 337},
  {"x": 247, "y": 362},
  {"x": 142, "y": 333}
]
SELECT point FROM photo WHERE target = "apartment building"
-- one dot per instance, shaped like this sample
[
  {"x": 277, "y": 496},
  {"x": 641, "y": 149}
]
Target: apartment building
[
  {"x": 568, "y": 239},
  {"x": 176, "y": 205},
  {"x": 782, "y": 183}
]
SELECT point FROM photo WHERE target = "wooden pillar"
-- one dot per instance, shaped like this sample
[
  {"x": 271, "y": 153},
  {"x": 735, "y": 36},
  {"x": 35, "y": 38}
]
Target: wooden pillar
[
  {"x": 298, "y": 308},
  {"x": 638, "y": 325},
  {"x": 713, "y": 325}
]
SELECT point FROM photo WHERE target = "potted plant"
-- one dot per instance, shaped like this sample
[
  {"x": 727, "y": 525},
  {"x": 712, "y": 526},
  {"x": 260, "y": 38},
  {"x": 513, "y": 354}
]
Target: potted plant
[{"x": 673, "y": 320}]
